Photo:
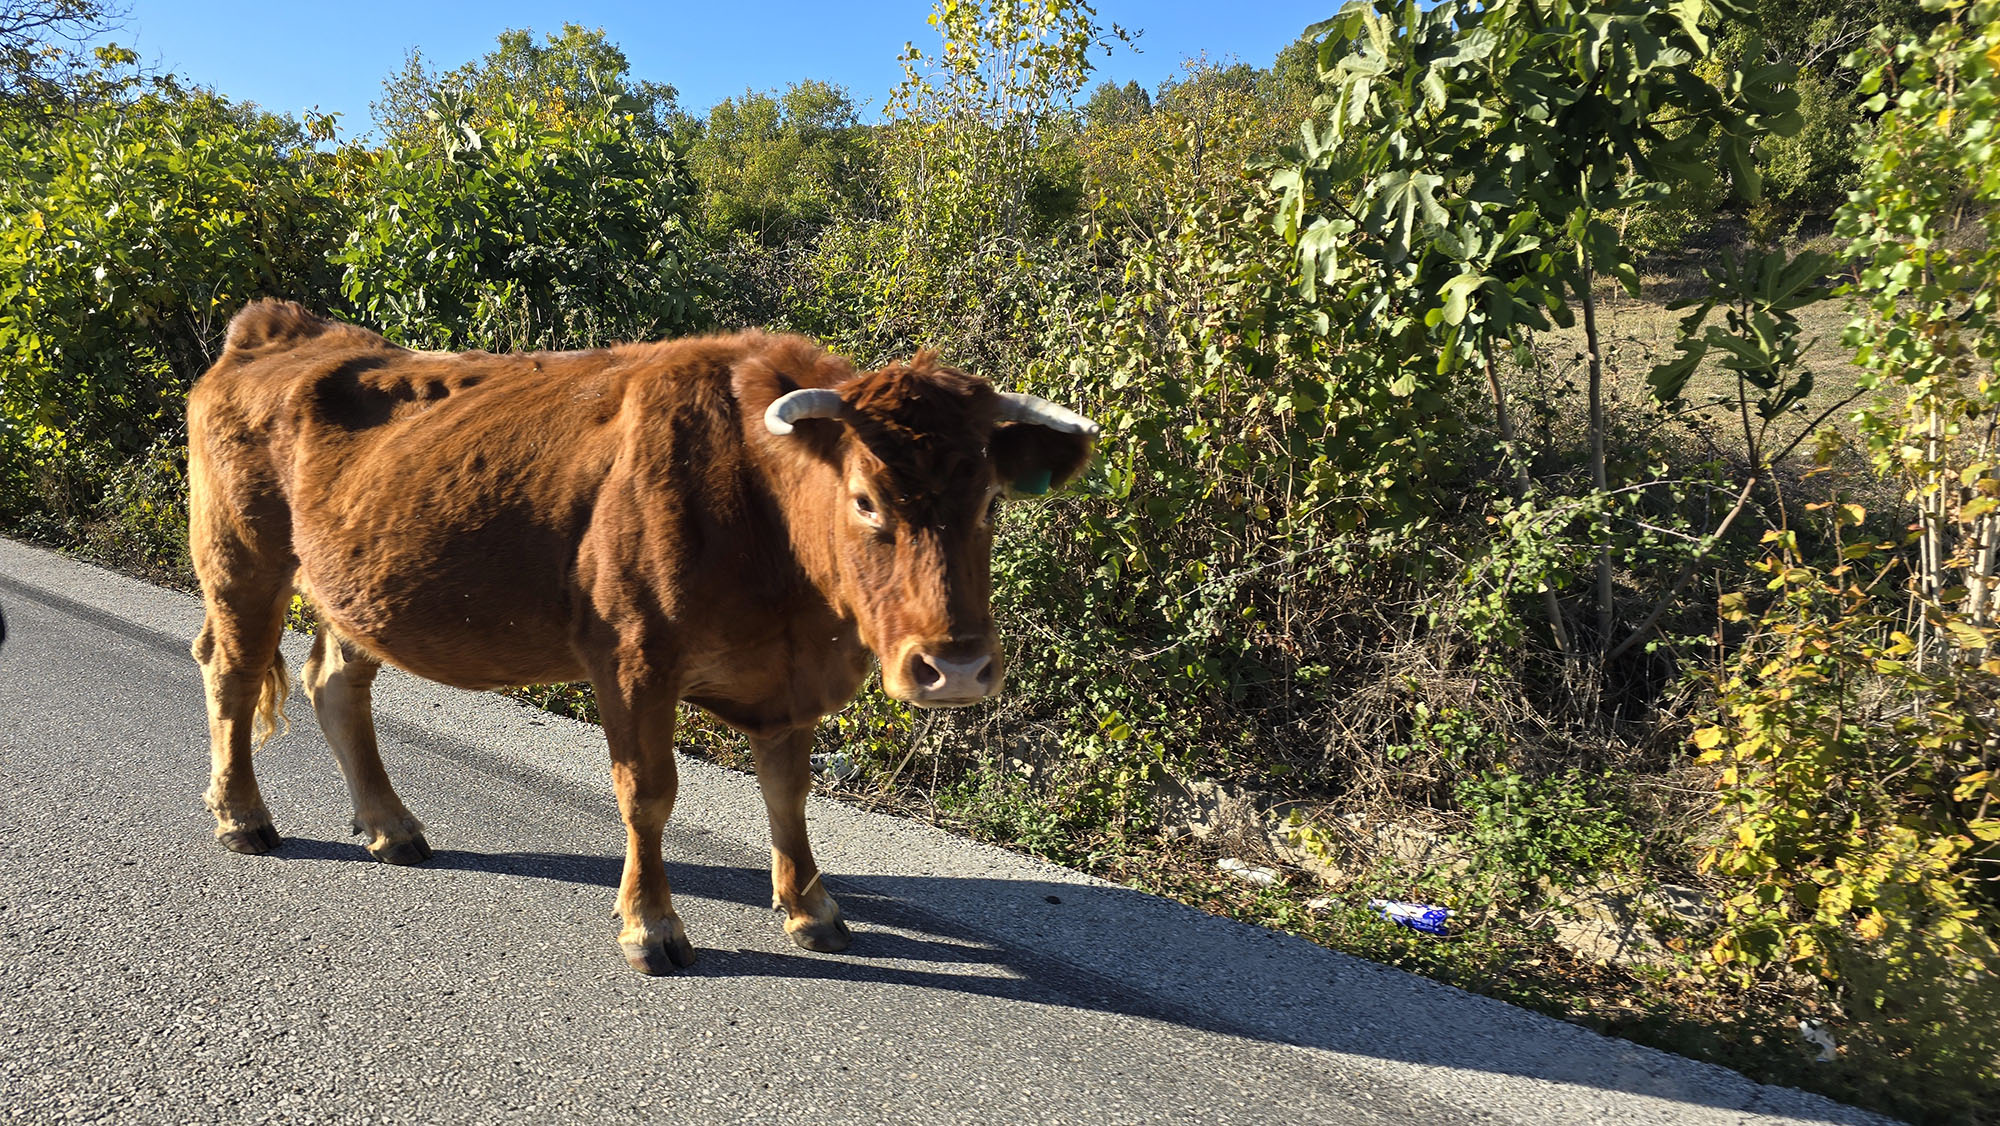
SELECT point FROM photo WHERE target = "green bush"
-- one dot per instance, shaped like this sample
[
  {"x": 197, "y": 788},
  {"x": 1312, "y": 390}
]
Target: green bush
[
  {"x": 1811, "y": 170},
  {"x": 1853, "y": 778},
  {"x": 141, "y": 521},
  {"x": 129, "y": 233},
  {"x": 552, "y": 226},
  {"x": 1559, "y": 830}
]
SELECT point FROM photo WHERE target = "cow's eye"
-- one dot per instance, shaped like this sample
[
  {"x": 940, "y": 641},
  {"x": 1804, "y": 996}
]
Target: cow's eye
[
  {"x": 865, "y": 508},
  {"x": 993, "y": 509}
]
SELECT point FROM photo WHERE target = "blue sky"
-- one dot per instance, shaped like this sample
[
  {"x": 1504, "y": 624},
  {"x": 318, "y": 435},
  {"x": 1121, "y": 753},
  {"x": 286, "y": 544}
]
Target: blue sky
[{"x": 292, "y": 57}]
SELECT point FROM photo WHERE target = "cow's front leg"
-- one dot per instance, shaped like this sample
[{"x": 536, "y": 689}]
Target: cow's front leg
[
  {"x": 639, "y": 725},
  {"x": 812, "y": 918}
]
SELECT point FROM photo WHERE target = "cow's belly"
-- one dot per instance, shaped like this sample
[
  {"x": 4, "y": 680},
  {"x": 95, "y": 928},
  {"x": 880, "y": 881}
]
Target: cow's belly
[
  {"x": 500, "y": 656},
  {"x": 452, "y": 621}
]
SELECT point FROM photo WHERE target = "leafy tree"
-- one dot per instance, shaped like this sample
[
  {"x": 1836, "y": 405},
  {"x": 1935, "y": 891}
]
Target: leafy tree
[
  {"x": 43, "y": 55},
  {"x": 523, "y": 227},
  {"x": 977, "y": 116},
  {"x": 977, "y": 175},
  {"x": 1112, "y": 104},
  {"x": 1293, "y": 80},
  {"x": 1856, "y": 734},
  {"x": 1464, "y": 185},
  {"x": 1137, "y": 169},
  {"x": 774, "y": 167},
  {"x": 568, "y": 74},
  {"x": 1204, "y": 81},
  {"x": 1929, "y": 334},
  {"x": 1811, "y": 170}
]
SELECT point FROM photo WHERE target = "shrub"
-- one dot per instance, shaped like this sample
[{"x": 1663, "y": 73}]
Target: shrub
[
  {"x": 541, "y": 230},
  {"x": 128, "y": 235},
  {"x": 1861, "y": 715},
  {"x": 1559, "y": 830}
]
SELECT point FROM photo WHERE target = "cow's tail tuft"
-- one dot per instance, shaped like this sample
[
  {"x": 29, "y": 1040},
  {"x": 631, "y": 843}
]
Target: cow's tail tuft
[{"x": 269, "y": 720}]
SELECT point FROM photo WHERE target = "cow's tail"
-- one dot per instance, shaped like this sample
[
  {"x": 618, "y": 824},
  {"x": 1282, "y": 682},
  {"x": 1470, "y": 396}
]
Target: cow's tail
[{"x": 269, "y": 719}]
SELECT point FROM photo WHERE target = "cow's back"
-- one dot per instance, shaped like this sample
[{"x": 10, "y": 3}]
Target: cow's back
[{"x": 436, "y": 503}]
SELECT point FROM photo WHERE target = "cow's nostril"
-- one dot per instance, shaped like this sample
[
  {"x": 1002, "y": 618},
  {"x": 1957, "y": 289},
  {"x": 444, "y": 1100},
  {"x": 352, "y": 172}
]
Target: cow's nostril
[
  {"x": 985, "y": 674},
  {"x": 924, "y": 674}
]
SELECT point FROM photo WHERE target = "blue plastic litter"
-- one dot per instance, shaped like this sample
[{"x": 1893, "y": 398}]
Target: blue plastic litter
[{"x": 1421, "y": 917}]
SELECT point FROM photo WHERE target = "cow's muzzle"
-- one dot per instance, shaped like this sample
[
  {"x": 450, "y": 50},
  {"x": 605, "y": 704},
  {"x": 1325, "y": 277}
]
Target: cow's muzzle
[{"x": 945, "y": 676}]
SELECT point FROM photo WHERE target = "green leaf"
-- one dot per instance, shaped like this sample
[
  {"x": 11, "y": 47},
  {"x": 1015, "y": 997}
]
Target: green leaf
[
  {"x": 1965, "y": 634},
  {"x": 1668, "y": 380},
  {"x": 1455, "y": 292}
]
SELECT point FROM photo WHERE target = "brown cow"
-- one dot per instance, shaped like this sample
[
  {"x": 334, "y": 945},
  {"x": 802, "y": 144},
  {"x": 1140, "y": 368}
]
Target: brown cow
[{"x": 734, "y": 521}]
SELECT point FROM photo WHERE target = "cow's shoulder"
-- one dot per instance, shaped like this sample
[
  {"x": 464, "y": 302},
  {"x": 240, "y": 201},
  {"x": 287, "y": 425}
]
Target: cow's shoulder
[{"x": 796, "y": 359}]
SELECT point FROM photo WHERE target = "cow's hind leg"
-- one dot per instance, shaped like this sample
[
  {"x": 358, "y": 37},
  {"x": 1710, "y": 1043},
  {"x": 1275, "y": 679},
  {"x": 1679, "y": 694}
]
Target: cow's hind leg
[
  {"x": 784, "y": 773},
  {"x": 338, "y": 679},
  {"x": 639, "y": 726},
  {"x": 246, "y": 684},
  {"x": 239, "y": 539}
]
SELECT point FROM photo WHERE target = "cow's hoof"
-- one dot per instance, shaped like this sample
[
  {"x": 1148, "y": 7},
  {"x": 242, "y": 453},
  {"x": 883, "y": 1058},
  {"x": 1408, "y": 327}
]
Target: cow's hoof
[
  {"x": 676, "y": 953},
  {"x": 829, "y": 937},
  {"x": 251, "y": 840},
  {"x": 416, "y": 850}
]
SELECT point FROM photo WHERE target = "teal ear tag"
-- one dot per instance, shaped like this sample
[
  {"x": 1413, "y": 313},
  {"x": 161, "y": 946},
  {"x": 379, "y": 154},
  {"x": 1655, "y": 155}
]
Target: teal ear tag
[{"x": 1034, "y": 482}]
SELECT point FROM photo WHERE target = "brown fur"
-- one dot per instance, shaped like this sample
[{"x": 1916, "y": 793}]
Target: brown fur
[{"x": 619, "y": 515}]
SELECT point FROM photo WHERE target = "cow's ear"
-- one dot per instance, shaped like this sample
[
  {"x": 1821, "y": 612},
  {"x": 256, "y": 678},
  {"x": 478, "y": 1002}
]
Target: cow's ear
[
  {"x": 1033, "y": 459},
  {"x": 757, "y": 384}
]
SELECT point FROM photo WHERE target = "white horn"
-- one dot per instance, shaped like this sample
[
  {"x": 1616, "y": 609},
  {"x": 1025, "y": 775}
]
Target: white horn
[
  {"x": 806, "y": 402},
  {"x": 1015, "y": 407}
]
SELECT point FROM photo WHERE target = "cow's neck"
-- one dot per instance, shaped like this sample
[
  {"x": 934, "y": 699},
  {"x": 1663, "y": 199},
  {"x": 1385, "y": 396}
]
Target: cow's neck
[{"x": 808, "y": 496}]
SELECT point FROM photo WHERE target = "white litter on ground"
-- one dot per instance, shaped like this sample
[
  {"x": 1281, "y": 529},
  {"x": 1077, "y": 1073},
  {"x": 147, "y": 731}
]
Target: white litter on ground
[
  {"x": 834, "y": 767},
  {"x": 1247, "y": 872}
]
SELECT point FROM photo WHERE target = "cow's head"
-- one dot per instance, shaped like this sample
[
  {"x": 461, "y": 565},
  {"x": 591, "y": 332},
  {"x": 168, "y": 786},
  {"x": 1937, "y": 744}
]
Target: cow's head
[{"x": 913, "y": 461}]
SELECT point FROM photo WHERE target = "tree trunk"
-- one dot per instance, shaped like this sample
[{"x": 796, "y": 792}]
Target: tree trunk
[{"x": 1597, "y": 468}]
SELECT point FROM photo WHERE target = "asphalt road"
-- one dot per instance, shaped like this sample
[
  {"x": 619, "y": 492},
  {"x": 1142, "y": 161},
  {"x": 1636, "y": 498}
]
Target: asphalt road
[{"x": 147, "y": 975}]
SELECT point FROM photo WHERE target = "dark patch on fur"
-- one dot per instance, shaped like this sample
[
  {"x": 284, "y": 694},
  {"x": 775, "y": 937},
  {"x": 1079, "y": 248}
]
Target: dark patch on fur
[{"x": 342, "y": 398}]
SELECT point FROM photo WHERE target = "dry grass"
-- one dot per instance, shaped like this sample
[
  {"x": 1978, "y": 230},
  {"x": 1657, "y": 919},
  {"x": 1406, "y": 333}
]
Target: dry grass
[{"x": 1639, "y": 332}]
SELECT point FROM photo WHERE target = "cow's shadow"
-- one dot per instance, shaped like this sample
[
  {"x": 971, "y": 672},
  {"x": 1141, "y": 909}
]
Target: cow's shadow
[{"x": 1282, "y": 990}]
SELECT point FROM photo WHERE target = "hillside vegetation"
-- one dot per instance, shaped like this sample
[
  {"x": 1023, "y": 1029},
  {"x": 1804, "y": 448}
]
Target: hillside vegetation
[{"x": 1550, "y": 457}]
